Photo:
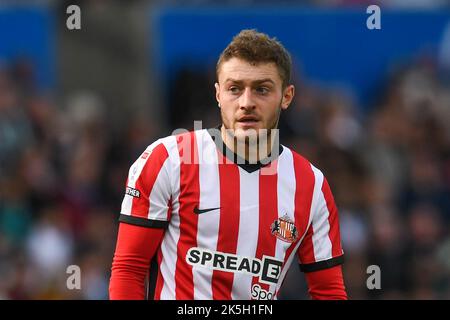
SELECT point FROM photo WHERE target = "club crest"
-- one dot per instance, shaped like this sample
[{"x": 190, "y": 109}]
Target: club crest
[{"x": 284, "y": 229}]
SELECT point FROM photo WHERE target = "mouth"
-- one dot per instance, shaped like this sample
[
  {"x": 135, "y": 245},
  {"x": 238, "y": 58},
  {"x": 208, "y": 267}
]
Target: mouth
[{"x": 248, "y": 120}]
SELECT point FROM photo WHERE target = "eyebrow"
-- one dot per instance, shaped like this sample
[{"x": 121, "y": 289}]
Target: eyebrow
[{"x": 259, "y": 81}]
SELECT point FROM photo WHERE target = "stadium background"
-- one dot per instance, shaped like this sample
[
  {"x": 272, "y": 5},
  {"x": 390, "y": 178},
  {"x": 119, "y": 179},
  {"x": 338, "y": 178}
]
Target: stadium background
[{"x": 372, "y": 110}]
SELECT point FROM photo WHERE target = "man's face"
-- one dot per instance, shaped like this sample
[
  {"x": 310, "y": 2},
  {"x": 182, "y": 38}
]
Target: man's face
[{"x": 251, "y": 96}]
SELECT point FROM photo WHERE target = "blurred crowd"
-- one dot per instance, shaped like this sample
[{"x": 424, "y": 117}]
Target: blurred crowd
[{"x": 62, "y": 173}]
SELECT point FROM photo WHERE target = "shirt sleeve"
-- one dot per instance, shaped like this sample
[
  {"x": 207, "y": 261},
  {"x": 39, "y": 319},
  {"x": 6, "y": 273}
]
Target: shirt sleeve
[
  {"x": 147, "y": 200},
  {"x": 327, "y": 284},
  {"x": 321, "y": 246},
  {"x": 135, "y": 248}
]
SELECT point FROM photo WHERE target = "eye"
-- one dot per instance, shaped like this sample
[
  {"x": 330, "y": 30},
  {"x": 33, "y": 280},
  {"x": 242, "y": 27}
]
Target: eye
[
  {"x": 262, "y": 90},
  {"x": 234, "y": 89}
]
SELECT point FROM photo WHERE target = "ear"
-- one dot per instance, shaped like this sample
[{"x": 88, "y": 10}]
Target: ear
[
  {"x": 217, "y": 92},
  {"x": 288, "y": 95}
]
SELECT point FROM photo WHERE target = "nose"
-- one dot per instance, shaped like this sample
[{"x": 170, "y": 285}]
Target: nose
[{"x": 246, "y": 100}]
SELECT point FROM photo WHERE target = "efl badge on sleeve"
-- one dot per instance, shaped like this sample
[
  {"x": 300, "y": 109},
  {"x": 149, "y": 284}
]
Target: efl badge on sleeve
[
  {"x": 145, "y": 155},
  {"x": 284, "y": 229}
]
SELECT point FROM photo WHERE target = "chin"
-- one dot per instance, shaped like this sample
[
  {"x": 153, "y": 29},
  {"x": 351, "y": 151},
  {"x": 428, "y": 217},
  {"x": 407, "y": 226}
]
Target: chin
[{"x": 242, "y": 134}]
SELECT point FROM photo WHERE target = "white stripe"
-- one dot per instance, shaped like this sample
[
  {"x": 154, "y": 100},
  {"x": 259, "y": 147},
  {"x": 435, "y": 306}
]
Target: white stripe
[
  {"x": 160, "y": 194},
  {"x": 286, "y": 200},
  {"x": 321, "y": 227},
  {"x": 248, "y": 229},
  {"x": 133, "y": 175},
  {"x": 169, "y": 256},
  {"x": 172, "y": 234},
  {"x": 208, "y": 223}
]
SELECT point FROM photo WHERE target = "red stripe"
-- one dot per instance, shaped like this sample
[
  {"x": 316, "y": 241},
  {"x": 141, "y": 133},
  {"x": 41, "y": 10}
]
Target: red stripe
[
  {"x": 268, "y": 213},
  {"x": 222, "y": 282},
  {"x": 147, "y": 179},
  {"x": 333, "y": 220},
  {"x": 305, "y": 180},
  {"x": 160, "y": 280},
  {"x": 189, "y": 197}
]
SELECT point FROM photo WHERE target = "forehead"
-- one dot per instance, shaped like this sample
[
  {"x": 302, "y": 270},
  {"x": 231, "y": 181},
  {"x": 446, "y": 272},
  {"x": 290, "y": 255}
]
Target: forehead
[{"x": 241, "y": 70}]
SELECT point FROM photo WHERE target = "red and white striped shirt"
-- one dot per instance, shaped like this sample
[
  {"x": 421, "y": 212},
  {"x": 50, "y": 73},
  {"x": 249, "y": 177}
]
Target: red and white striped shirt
[{"x": 232, "y": 230}]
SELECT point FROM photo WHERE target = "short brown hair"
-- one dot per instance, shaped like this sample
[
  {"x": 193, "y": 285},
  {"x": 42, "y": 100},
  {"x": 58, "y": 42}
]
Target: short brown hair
[{"x": 256, "y": 47}]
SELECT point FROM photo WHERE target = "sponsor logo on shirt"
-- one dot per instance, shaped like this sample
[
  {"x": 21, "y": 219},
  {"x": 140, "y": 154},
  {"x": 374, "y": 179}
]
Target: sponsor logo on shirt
[
  {"x": 268, "y": 269},
  {"x": 133, "y": 192},
  {"x": 284, "y": 229},
  {"x": 258, "y": 293}
]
